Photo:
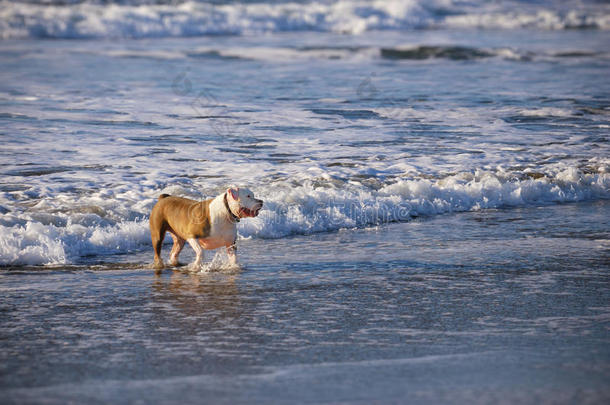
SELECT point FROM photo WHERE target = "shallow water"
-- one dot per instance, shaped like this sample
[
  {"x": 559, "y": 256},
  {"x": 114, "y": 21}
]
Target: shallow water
[
  {"x": 495, "y": 306},
  {"x": 436, "y": 177},
  {"x": 327, "y": 130}
]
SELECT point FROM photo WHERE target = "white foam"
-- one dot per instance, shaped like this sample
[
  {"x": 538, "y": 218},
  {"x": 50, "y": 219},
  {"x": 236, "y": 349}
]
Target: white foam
[
  {"x": 546, "y": 112},
  {"x": 538, "y": 19},
  {"x": 33, "y": 243},
  {"x": 36, "y": 243},
  {"x": 219, "y": 263},
  {"x": 194, "y": 18},
  {"x": 18, "y": 20},
  {"x": 309, "y": 208}
]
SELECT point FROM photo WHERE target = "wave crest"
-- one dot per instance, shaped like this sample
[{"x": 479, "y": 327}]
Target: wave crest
[
  {"x": 312, "y": 207},
  {"x": 138, "y": 19}
]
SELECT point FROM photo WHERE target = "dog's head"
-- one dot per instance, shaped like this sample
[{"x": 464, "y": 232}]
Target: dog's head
[{"x": 243, "y": 203}]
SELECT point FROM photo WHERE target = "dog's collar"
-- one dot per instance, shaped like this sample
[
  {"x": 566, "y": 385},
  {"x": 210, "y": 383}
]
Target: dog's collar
[{"x": 234, "y": 217}]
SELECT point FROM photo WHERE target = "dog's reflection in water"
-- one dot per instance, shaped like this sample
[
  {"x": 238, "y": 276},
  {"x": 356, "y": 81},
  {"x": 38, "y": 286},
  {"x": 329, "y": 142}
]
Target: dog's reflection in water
[{"x": 187, "y": 302}]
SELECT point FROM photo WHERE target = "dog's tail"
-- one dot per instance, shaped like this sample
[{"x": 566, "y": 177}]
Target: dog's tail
[{"x": 162, "y": 196}]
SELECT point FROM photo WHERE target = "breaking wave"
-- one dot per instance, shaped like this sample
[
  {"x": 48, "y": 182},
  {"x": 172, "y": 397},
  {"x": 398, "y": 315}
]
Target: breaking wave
[
  {"x": 314, "y": 206},
  {"x": 153, "y": 19}
]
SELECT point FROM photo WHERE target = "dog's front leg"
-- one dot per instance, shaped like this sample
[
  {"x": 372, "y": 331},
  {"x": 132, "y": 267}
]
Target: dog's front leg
[
  {"x": 198, "y": 251},
  {"x": 232, "y": 253}
]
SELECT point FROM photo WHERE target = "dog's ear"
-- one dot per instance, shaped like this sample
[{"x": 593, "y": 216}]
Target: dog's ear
[{"x": 234, "y": 192}]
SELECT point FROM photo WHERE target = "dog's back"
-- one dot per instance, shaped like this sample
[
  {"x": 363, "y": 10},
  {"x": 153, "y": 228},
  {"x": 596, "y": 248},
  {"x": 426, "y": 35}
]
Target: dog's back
[{"x": 182, "y": 217}]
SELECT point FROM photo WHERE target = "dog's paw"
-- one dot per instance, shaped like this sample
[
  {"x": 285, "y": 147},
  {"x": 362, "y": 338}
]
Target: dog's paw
[{"x": 194, "y": 267}]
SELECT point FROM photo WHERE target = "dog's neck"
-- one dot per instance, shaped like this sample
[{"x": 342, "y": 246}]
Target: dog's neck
[{"x": 233, "y": 217}]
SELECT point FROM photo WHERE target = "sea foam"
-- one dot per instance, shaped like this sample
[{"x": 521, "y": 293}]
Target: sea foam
[
  {"x": 193, "y": 18},
  {"x": 309, "y": 208}
]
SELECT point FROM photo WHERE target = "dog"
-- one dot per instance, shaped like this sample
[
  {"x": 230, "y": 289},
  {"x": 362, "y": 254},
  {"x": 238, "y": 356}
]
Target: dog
[{"x": 207, "y": 224}]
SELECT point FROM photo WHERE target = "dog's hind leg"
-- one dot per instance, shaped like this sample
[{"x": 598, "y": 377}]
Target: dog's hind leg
[
  {"x": 157, "y": 234},
  {"x": 176, "y": 249}
]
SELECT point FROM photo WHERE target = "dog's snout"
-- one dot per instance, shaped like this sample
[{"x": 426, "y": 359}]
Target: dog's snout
[{"x": 259, "y": 202}]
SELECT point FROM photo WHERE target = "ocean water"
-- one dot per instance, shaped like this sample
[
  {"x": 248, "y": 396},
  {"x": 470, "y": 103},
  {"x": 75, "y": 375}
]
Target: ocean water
[
  {"x": 493, "y": 306},
  {"x": 436, "y": 177}
]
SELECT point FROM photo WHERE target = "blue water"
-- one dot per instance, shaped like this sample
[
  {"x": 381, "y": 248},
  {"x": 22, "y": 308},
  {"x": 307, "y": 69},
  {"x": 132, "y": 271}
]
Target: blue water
[
  {"x": 378, "y": 127},
  {"x": 436, "y": 183}
]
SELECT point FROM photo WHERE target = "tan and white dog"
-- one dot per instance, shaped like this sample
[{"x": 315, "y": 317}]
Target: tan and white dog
[{"x": 208, "y": 224}]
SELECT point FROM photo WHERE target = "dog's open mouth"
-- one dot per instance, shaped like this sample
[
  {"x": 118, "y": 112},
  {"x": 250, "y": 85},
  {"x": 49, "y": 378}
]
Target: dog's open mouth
[{"x": 245, "y": 212}]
